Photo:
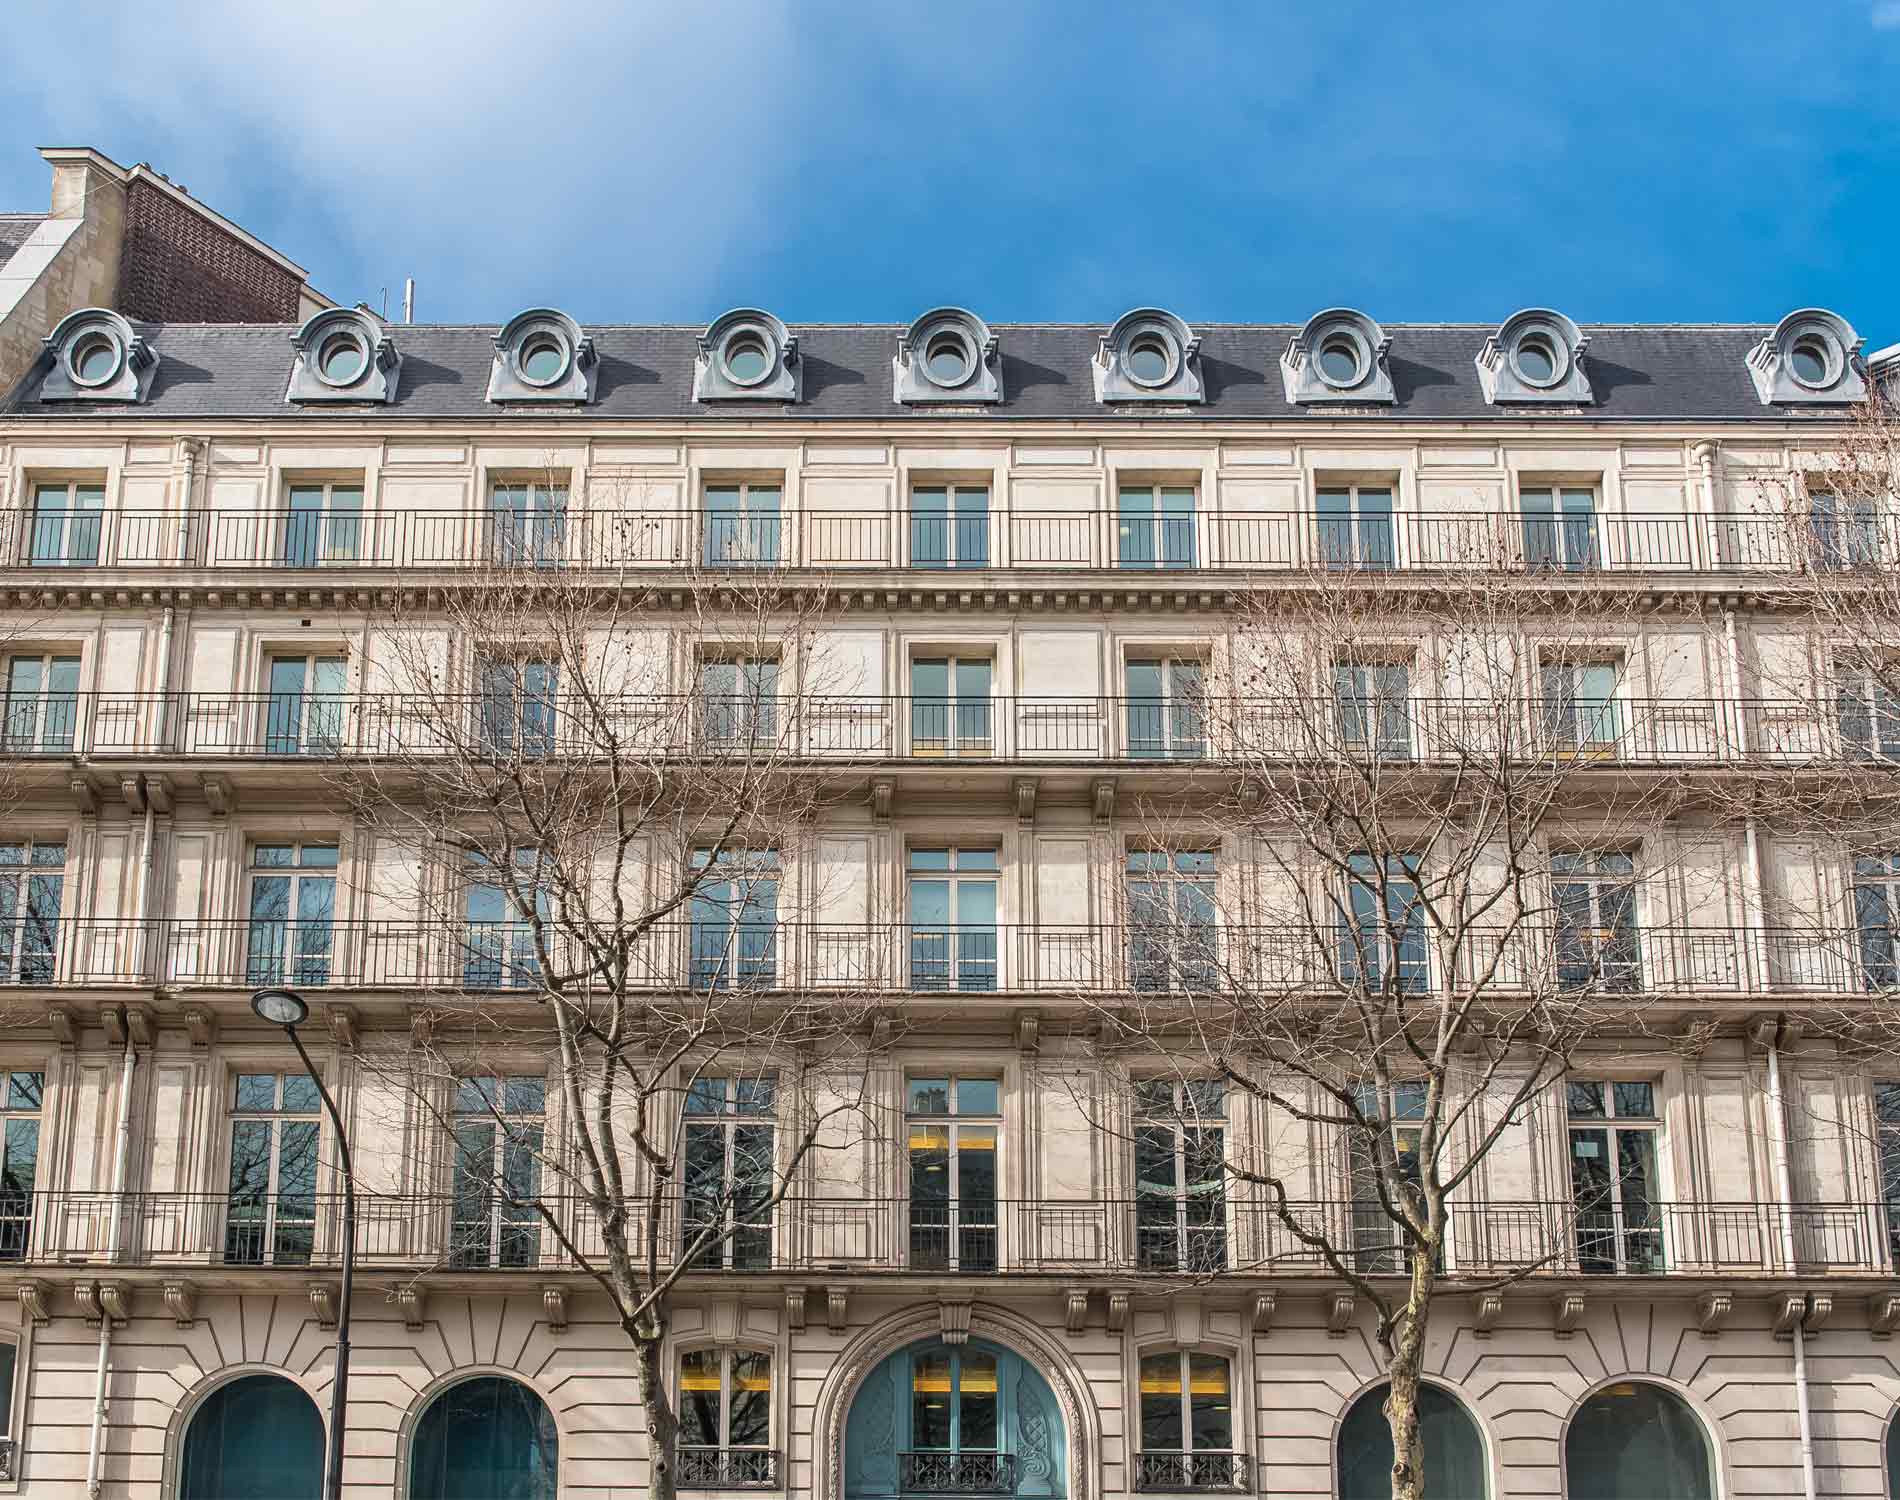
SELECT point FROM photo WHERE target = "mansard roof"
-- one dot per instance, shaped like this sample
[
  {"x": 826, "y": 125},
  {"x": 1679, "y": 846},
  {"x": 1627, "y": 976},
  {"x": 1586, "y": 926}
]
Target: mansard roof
[{"x": 1638, "y": 372}]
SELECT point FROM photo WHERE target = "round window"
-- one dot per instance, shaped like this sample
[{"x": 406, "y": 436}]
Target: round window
[
  {"x": 94, "y": 359},
  {"x": 1339, "y": 361},
  {"x": 747, "y": 359},
  {"x": 1149, "y": 361},
  {"x": 1809, "y": 361},
  {"x": 947, "y": 359},
  {"x": 542, "y": 360},
  {"x": 340, "y": 360},
  {"x": 1537, "y": 361}
]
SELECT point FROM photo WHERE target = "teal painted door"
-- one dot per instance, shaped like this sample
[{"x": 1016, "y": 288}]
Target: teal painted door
[{"x": 971, "y": 1400}]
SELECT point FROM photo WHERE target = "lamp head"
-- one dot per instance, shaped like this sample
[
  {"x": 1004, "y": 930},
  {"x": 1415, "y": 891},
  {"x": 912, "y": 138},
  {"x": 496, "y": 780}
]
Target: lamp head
[{"x": 280, "y": 1007}]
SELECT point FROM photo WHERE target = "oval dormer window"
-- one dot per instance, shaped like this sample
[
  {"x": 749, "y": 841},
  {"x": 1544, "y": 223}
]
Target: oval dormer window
[
  {"x": 96, "y": 356},
  {"x": 1813, "y": 358},
  {"x": 1340, "y": 361},
  {"x": 1150, "y": 359},
  {"x": 747, "y": 360},
  {"x": 343, "y": 354},
  {"x": 1535, "y": 360},
  {"x": 542, "y": 356},
  {"x": 1338, "y": 356},
  {"x": 95, "y": 359},
  {"x": 1535, "y": 356},
  {"x": 947, "y": 355},
  {"x": 342, "y": 357},
  {"x": 746, "y": 355},
  {"x": 947, "y": 360},
  {"x": 1149, "y": 355}
]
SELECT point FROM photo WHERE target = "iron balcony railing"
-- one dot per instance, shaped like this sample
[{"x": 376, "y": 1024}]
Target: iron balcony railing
[
  {"x": 701, "y": 1468},
  {"x": 822, "y": 728},
  {"x": 1189, "y": 1471},
  {"x": 944, "y": 1472},
  {"x": 1207, "y": 1231},
  {"x": 344, "y": 538},
  {"x": 715, "y": 954}
]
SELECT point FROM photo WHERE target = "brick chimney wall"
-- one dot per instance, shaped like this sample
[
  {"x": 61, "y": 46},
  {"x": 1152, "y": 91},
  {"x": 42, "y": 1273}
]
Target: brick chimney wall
[{"x": 177, "y": 267}]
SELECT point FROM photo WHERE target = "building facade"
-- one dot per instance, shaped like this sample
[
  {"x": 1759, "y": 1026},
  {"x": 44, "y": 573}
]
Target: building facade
[{"x": 1033, "y": 537}]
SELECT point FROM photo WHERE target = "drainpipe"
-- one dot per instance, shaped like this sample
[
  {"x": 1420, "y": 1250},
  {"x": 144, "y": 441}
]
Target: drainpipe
[
  {"x": 122, "y": 1166},
  {"x": 1778, "y": 1145}
]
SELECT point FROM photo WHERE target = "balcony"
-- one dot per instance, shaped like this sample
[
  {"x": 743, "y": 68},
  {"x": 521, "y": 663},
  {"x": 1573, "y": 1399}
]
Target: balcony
[
  {"x": 499, "y": 958},
  {"x": 1049, "y": 1237},
  {"x": 1194, "y": 1471},
  {"x": 927, "y": 542},
  {"x": 825, "y": 729},
  {"x": 947, "y": 1473},
  {"x": 726, "y": 1468}
]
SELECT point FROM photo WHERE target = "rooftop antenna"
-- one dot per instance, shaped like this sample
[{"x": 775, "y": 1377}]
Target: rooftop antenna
[
  {"x": 409, "y": 299},
  {"x": 385, "y": 304}
]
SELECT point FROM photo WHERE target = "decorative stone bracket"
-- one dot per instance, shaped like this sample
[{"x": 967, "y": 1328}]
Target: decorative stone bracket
[
  {"x": 953, "y": 1319},
  {"x": 1566, "y": 1310},
  {"x": 1486, "y": 1309},
  {"x": 323, "y": 1299},
  {"x": 181, "y": 1301},
  {"x": 1339, "y": 1314}
]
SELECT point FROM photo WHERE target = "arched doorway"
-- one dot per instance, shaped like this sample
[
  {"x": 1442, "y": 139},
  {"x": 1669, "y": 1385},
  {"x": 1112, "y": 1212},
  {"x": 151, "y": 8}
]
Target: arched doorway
[
  {"x": 1632, "y": 1440},
  {"x": 256, "y": 1435},
  {"x": 485, "y": 1438},
  {"x": 971, "y": 1418},
  {"x": 1455, "y": 1467}
]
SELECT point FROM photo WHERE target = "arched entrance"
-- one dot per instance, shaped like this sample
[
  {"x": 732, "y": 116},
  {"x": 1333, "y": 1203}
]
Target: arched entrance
[
  {"x": 485, "y": 1438},
  {"x": 256, "y": 1435},
  {"x": 1455, "y": 1467},
  {"x": 1632, "y": 1440},
  {"x": 971, "y": 1418}
]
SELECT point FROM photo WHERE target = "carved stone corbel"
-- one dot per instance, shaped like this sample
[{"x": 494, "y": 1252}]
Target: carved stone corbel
[
  {"x": 1883, "y": 1314},
  {"x": 1711, "y": 1308},
  {"x": 342, "y": 1019},
  {"x": 1486, "y": 1309},
  {"x": 1117, "y": 1318},
  {"x": 1023, "y": 788},
  {"x": 1263, "y": 1308},
  {"x": 1566, "y": 1310},
  {"x": 1820, "y": 1309},
  {"x": 953, "y": 1319},
  {"x": 181, "y": 1301},
  {"x": 837, "y": 1307},
  {"x": 1790, "y": 1309},
  {"x": 99, "y": 1300},
  {"x": 33, "y": 1298},
  {"x": 201, "y": 1025},
  {"x": 554, "y": 1304},
  {"x": 795, "y": 1308},
  {"x": 132, "y": 792},
  {"x": 112, "y": 1018},
  {"x": 84, "y": 794},
  {"x": 218, "y": 795},
  {"x": 142, "y": 1024},
  {"x": 1102, "y": 798},
  {"x": 65, "y": 1029},
  {"x": 158, "y": 792},
  {"x": 421, "y": 1026},
  {"x": 1339, "y": 1314},
  {"x": 413, "y": 1302},
  {"x": 323, "y": 1297},
  {"x": 1075, "y": 1308},
  {"x": 1028, "y": 1030},
  {"x": 883, "y": 795}
]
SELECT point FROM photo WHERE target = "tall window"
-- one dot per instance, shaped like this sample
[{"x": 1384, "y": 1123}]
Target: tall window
[
  {"x": 738, "y": 698},
  {"x": 953, "y": 919},
  {"x": 323, "y": 524},
  {"x": 42, "y": 708},
  {"x": 497, "y": 1133},
  {"x": 256, "y": 1435},
  {"x": 292, "y": 914},
  {"x": 734, "y": 920},
  {"x": 1383, "y": 941},
  {"x": 1560, "y": 528},
  {"x": 727, "y": 1183},
  {"x": 271, "y": 1215},
  {"x": 1581, "y": 713},
  {"x": 1842, "y": 533},
  {"x": 498, "y": 937},
  {"x": 742, "y": 525},
  {"x": 1187, "y": 1424},
  {"x": 529, "y": 522},
  {"x": 1869, "y": 709},
  {"x": 1877, "y": 919},
  {"x": 19, "y": 1170},
  {"x": 1172, "y": 932},
  {"x": 1597, "y": 937},
  {"x": 955, "y": 1125},
  {"x": 304, "y": 712},
  {"x": 485, "y": 1438},
  {"x": 1167, "y": 708},
  {"x": 1613, "y": 1183},
  {"x": 1632, "y": 1440},
  {"x": 32, "y": 885},
  {"x": 67, "y": 520},
  {"x": 1375, "y": 708},
  {"x": 1455, "y": 1467},
  {"x": 1887, "y": 1131},
  {"x": 1155, "y": 527},
  {"x": 1180, "y": 1174},
  {"x": 950, "y": 527},
  {"x": 955, "y": 1424},
  {"x": 1355, "y": 526},
  {"x": 518, "y": 706},
  {"x": 1375, "y": 1237},
  {"x": 950, "y": 709},
  {"x": 725, "y": 1437}
]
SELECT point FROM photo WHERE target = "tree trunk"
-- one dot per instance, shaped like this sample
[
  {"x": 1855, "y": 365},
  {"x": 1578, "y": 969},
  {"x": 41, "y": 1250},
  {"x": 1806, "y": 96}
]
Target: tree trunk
[
  {"x": 663, "y": 1423},
  {"x": 1407, "y": 1359}
]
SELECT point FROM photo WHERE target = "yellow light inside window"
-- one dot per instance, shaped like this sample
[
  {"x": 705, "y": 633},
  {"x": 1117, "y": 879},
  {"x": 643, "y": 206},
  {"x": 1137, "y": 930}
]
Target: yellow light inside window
[{"x": 929, "y": 1138}]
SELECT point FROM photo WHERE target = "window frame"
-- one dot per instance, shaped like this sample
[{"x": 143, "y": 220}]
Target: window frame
[
  {"x": 533, "y": 712},
  {"x": 1165, "y": 525},
  {"x": 1180, "y": 710},
  {"x": 743, "y": 1243},
  {"x": 18, "y": 1218},
  {"x": 1571, "y": 539},
  {"x": 532, "y": 532},
  {"x": 748, "y": 519},
  {"x": 47, "y": 660},
  {"x": 752, "y": 715},
  {"x": 268, "y": 1225},
  {"x": 1351, "y": 538},
  {"x": 1191, "y": 1468},
  {"x": 1613, "y": 1123},
  {"x": 1583, "y": 870},
  {"x": 969, "y": 955},
  {"x": 500, "y": 1221},
  {"x": 970, "y": 1243},
  {"x": 1577, "y": 725},
  {"x": 318, "y": 541},
  {"x": 28, "y": 878},
  {"x": 1191, "y": 1245},
  {"x": 731, "y": 1473},
  {"x": 80, "y": 498},
  {"x": 961, "y": 524}
]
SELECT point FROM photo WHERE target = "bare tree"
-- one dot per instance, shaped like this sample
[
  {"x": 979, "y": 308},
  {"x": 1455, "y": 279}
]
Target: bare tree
[
  {"x": 583, "y": 761},
  {"x": 1408, "y": 903}
]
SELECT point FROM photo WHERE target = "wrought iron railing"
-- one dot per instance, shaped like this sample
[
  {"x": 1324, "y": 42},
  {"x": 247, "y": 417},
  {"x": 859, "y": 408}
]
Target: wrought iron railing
[
  {"x": 698, "y": 1468},
  {"x": 1186, "y": 1471},
  {"x": 962, "y": 1473}
]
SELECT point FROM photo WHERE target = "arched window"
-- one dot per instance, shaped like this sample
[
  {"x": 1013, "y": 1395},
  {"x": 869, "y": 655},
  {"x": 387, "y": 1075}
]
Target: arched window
[
  {"x": 484, "y": 1439},
  {"x": 1893, "y": 1456},
  {"x": 1454, "y": 1450},
  {"x": 1636, "y": 1441},
  {"x": 1187, "y": 1424},
  {"x": 725, "y": 1407},
  {"x": 256, "y": 1435}
]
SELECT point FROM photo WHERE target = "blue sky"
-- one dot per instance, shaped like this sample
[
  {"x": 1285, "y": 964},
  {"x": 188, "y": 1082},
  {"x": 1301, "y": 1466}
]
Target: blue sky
[{"x": 1701, "y": 162}]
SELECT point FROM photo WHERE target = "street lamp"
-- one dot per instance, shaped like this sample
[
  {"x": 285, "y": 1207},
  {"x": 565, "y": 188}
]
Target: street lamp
[{"x": 286, "y": 1008}]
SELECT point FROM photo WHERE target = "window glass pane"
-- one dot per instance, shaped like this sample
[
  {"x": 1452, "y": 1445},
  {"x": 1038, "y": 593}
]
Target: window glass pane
[
  {"x": 300, "y": 1094},
  {"x": 259, "y": 1435},
  {"x": 977, "y": 1096},
  {"x": 525, "y": 1096},
  {"x": 9, "y": 1353},
  {"x": 1585, "y": 1099},
  {"x": 700, "y": 1399},
  {"x": 1210, "y": 1402},
  {"x": 1161, "y": 1411},
  {"x": 977, "y": 1400},
  {"x": 929, "y": 1096},
  {"x": 706, "y": 1096},
  {"x": 930, "y": 1400},
  {"x": 256, "y": 1091},
  {"x": 474, "y": 1096},
  {"x": 1636, "y": 1439},
  {"x": 1636, "y": 1099},
  {"x": 25, "y": 1090},
  {"x": 751, "y": 1400},
  {"x": 490, "y": 1437},
  {"x": 1154, "y": 1096}
]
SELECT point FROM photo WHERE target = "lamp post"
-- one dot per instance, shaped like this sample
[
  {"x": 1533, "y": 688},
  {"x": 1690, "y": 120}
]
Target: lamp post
[{"x": 286, "y": 1008}]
